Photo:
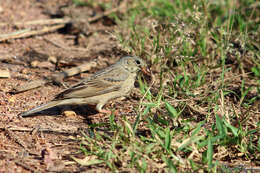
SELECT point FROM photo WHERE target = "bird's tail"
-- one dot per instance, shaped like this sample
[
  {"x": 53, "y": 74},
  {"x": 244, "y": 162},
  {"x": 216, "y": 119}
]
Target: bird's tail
[{"x": 41, "y": 108}]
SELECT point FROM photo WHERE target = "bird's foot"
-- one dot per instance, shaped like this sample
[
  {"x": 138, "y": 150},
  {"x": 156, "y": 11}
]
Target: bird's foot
[{"x": 109, "y": 112}]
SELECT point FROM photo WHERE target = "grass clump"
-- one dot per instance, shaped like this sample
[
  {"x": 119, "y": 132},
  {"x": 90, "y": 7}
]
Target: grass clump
[{"x": 201, "y": 110}]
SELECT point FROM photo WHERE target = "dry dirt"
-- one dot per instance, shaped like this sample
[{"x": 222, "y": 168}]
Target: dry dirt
[{"x": 32, "y": 144}]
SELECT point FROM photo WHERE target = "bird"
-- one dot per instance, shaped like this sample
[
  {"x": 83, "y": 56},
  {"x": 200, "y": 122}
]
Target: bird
[{"x": 112, "y": 82}]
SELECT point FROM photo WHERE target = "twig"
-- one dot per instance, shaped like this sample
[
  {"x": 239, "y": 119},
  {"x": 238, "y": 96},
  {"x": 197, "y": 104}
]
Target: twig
[
  {"x": 65, "y": 47},
  {"x": 20, "y": 32},
  {"x": 106, "y": 13},
  {"x": 62, "y": 20},
  {"x": 56, "y": 78},
  {"x": 20, "y": 163},
  {"x": 29, "y": 33},
  {"x": 58, "y": 23},
  {"x": 18, "y": 140},
  {"x": 30, "y": 85},
  {"x": 73, "y": 71},
  {"x": 15, "y": 138},
  {"x": 44, "y": 130},
  {"x": 197, "y": 109},
  {"x": 40, "y": 22}
]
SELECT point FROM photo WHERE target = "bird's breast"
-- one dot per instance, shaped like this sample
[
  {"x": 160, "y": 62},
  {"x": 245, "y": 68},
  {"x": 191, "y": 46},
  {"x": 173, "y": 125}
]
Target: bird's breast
[{"x": 128, "y": 84}]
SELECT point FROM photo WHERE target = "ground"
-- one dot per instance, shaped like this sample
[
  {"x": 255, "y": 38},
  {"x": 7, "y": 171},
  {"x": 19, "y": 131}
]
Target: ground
[
  {"x": 196, "y": 111},
  {"x": 21, "y": 151}
]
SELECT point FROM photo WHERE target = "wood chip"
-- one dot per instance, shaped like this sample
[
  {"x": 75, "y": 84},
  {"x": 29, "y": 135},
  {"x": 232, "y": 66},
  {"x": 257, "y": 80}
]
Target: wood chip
[
  {"x": 4, "y": 74},
  {"x": 35, "y": 63},
  {"x": 46, "y": 64},
  {"x": 69, "y": 114},
  {"x": 52, "y": 59}
]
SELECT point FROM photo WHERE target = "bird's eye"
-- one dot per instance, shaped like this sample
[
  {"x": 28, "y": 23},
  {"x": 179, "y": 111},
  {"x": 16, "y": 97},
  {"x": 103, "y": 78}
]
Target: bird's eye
[{"x": 137, "y": 62}]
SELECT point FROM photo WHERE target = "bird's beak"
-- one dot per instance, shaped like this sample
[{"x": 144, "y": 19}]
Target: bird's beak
[{"x": 145, "y": 70}]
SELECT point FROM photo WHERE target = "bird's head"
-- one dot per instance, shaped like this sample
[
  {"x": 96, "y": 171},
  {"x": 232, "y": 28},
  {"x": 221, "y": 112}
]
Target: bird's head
[{"x": 133, "y": 64}]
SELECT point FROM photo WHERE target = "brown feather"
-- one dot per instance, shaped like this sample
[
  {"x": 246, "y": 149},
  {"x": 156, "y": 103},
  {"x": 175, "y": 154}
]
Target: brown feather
[{"x": 96, "y": 85}]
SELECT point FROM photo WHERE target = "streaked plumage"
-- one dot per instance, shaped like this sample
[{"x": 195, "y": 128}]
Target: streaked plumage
[{"x": 114, "y": 81}]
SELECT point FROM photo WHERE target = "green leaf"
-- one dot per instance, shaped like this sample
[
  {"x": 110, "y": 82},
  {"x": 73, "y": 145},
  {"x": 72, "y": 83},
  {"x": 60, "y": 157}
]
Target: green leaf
[
  {"x": 256, "y": 70},
  {"x": 220, "y": 127},
  {"x": 197, "y": 129},
  {"x": 213, "y": 140},
  {"x": 150, "y": 104},
  {"x": 168, "y": 139},
  {"x": 138, "y": 118},
  {"x": 87, "y": 161},
  {"x": 210, "y": 152},
  {"x": 172, "y": 111},
  {"x": 258, "y": 148},
  {"x": 170, "y": 164},
  {"x": 232, "y": 128},
  {"x": 193, "y": 139}
]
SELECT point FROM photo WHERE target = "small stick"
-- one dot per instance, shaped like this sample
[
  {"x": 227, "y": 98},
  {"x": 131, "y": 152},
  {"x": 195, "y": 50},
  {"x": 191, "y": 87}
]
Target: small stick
[
  {"x": 61, "y": 20},
  {"x": 40, "y": 22},
  {"x": 59, "y": 23},
  {"x": 20, "y": 32},
  {"x": 73, "y": 71},
  {"x": 106, "y": 13},
  {"x": 44, "y": 130},
  {"x": 30, "y": 85},
  {"x": 16, "y": 139},
  {"x": 28, "y": 33},
  {"x": 56, "y": 78},
  {"x": 20, "y": 163},
  {"x": 65, "y": 47}
]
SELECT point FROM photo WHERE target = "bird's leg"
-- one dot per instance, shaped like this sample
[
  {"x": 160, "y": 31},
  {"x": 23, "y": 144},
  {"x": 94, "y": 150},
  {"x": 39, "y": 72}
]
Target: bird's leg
[
  {"x": 105, "y": 111},
  {"x": 100, "y": 110},
  {"x": 109, "y": 112}
]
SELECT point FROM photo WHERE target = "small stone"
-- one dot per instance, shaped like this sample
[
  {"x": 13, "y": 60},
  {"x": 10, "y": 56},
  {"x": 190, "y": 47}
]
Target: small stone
[
  {"x": 240, "y": 154},
  {"x": 34, "y": 63},
  {"x": 52, "y": 59},
  {"x": 12, "y": 99},
  {"x": 24, "y": 71},
  {"x": 69, "y": 114},
  {"x": 4, "y": 74}
]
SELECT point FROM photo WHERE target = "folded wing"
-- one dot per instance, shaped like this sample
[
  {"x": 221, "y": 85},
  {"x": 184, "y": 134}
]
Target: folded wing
[{"x": 101, "y": 83}]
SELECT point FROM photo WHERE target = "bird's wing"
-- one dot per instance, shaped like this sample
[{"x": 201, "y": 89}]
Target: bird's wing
[{"x": 101, "y": 83}]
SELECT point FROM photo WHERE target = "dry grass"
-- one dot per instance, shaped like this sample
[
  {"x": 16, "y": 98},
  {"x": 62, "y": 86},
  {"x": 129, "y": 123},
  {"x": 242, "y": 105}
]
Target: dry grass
[{"x": 201, "y": 110}]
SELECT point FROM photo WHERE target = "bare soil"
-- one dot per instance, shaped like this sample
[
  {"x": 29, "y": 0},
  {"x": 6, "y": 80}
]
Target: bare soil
[{"x": 31, "y": 144}]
